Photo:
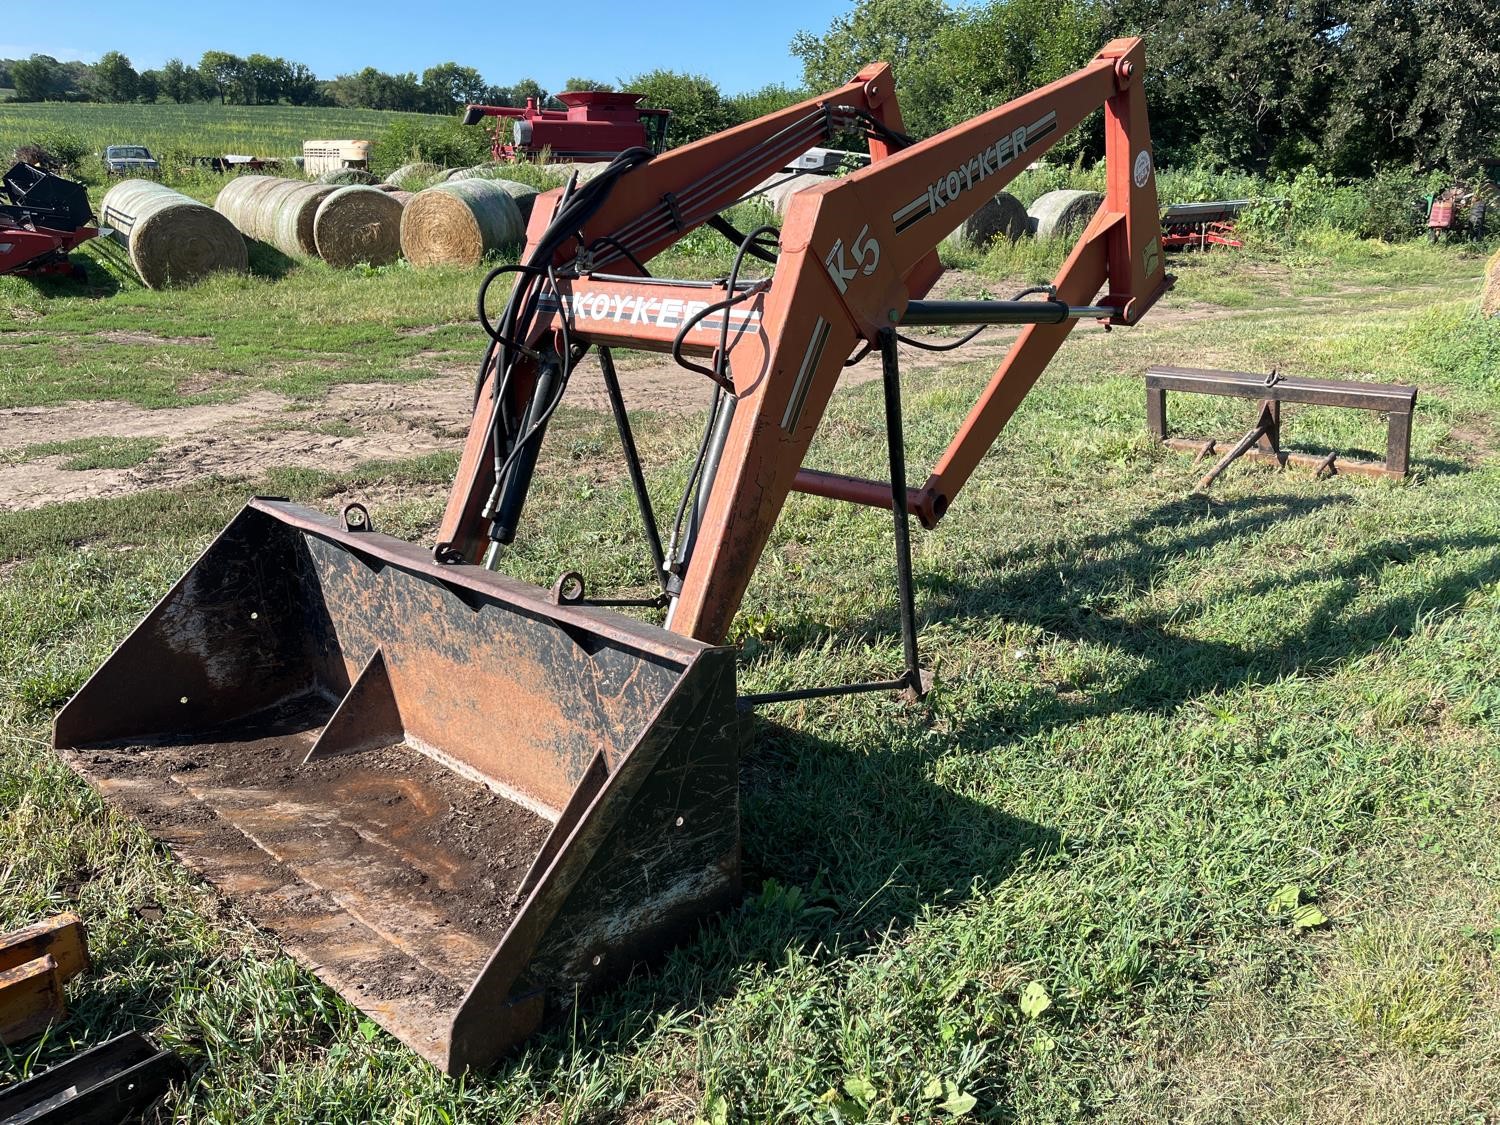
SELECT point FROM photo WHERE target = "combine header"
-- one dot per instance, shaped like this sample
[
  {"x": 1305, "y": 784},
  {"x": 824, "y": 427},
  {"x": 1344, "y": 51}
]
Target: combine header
[
  {"x": 46, "y": 219},
  {"x": 462, "y": 800}
]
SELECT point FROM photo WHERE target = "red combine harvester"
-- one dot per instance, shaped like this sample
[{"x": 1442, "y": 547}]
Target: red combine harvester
[
  {"x": 594, "y": 126},
  {"x": 46, "y": 218}
]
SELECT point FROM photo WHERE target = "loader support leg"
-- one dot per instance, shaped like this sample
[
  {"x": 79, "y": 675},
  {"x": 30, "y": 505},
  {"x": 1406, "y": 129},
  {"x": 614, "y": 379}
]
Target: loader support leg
[
  {"x": 633, "y": 464},
  {"x": 890, "y": 368},
  {"x": 913, "y": 682}
]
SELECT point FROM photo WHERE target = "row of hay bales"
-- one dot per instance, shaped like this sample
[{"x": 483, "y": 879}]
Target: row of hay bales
[
  {"x": 1053, "y": 215},
  {"x": 452, "y": 223},
  {"x": 173, "y": 239}
]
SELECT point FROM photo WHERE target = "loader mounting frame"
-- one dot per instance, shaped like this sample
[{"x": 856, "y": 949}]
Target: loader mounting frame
[{"x": 464, "y": 801}]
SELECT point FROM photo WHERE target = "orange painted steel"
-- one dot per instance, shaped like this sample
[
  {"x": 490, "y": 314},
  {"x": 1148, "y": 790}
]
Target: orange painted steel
[
  {"x": 297, "y": 713},
  {"x": 854, "y": 252}
]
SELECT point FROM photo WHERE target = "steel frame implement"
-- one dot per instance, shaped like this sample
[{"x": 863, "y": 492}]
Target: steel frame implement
[{"x": 855, "y": 254}]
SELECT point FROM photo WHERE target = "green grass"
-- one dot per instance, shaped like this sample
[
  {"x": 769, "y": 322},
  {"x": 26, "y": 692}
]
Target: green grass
[
  {"x": 197, "y": 129},
  {"x": 1153, "y": 710},
  {"x": 91, "y": 453}
]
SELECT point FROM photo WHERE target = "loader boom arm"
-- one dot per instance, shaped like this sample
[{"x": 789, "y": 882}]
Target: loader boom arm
[{"x": 857, "y": 254}]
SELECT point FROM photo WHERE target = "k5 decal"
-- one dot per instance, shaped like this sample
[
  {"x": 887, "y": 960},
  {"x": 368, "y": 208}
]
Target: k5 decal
[{"x": 863, "y": 253}]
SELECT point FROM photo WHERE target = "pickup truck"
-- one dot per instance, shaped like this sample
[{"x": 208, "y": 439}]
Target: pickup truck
[{"x": 130, "y": 160}]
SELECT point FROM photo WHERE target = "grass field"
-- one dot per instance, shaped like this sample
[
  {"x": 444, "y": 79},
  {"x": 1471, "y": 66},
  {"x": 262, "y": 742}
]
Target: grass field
[
  {"x": 202, "y": 129},
  {"x": 1053, "y": 892}
]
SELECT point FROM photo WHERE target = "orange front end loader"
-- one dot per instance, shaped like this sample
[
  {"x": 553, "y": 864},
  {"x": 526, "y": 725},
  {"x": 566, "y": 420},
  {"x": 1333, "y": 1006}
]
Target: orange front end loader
[{"x": 460, "y": 800}]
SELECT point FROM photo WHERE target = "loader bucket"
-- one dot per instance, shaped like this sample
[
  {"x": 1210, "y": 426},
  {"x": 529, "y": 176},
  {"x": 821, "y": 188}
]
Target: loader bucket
[{"x": 457, "y": 803}]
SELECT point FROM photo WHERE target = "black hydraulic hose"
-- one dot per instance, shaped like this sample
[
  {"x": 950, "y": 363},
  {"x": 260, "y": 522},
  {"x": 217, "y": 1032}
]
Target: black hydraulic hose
[
  {"x": 722, "y": 383},
  {"x": 578, "y": 205},
  {"x": 717, "y": 373}
]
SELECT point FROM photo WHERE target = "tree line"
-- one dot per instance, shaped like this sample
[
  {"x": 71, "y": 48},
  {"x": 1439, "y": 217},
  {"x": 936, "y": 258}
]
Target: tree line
[
  {"x": 258, "y": 80},
  {"x": 1344, "y": 87}
]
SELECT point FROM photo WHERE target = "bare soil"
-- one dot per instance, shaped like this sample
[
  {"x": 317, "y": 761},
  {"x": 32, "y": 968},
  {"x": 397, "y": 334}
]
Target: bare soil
[
  {"x": 357, "y": 422},
  {"x": 421, "y": 862}
]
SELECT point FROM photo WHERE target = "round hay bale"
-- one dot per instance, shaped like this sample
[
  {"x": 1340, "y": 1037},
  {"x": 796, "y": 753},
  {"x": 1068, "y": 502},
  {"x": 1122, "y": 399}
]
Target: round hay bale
[
  {"x": 170, "y": 237},
  {"x": 479, "y": 171},
  {"x": 524, "y": 195},
  {"x": 274, "y": 210},
  {"x": 1059, "y": 213},
  {"x": 458, "y": 222},
  {"x": 1490, "y": 302},
  {"x": 414, "y": 176},
  {"x": 779, "y": 195},
  {"x": 342, "y": 177},
  {"x": 402, "y": 197},
  {"x": 586, "y": 172},
  {"x": 358, "y": 225},
  {"x": 1002, "y": 217}
]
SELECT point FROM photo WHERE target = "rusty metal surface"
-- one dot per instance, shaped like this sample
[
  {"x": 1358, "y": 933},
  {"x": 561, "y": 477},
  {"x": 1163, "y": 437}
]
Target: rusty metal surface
[
  {"x": 1262, "y": 442},
  {"x": 656, "y": 849},
  {"x": 1310, "y": 392},
  {"x": 1330, "y": 463},
  {"x": 473, "y": 742}
]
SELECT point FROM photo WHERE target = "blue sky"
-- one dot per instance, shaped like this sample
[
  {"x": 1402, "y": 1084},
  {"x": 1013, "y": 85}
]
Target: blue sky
[{"x": 740, "y": 45}]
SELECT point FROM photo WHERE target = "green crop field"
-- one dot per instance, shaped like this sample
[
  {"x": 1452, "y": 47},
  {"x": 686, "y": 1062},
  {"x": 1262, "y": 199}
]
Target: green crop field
[{"x": 205, "y": 130}]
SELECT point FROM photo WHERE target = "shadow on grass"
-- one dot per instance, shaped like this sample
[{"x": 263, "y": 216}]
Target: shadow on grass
[
  {"x": 842, "y": 847},
  {"x": 267, "y": 261},
  {"x": 96, "y": 281},
  {"x": 1070, "y": 595}
]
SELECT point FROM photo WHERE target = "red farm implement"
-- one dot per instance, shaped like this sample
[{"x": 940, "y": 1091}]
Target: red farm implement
[
  {"x": 593, "y": 125},
  {"x": 46, "y": 218}
]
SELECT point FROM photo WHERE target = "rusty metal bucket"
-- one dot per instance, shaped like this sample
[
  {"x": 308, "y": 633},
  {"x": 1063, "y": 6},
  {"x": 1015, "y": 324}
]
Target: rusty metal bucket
[{"x": 456, "y": 802}]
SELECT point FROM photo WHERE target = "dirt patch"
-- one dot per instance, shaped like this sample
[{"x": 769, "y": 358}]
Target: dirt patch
[
  {"x": 357, "y": 422},
  {"x": 426, "y": 329},
  {"x": 392, "y": 876},
  {"x": 1477, "y": 443},
  {"x": 353, "y": 424},
  {"x": 117, "y": 336}
]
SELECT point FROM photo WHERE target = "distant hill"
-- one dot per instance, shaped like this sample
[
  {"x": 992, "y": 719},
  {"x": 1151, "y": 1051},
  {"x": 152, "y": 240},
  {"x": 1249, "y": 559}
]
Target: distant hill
[{"x": 199, "y": 129}]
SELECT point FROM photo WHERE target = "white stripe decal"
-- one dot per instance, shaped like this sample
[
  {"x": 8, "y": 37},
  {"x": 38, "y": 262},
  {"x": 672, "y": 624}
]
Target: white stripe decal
[{"x": 804, "y": 375}]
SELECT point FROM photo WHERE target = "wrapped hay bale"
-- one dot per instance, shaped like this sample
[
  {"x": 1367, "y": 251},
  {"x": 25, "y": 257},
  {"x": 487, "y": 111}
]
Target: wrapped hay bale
[
  {"x": 779, "y": 195},
  {"x": 413, "y": 176},
  {"x": 357, "y": 225},
  {"x": 478, "y": 172},
  {"x": 1059, "y": 213},
  {"x": 586, "y": 172},
  {"x": 404, "y": 197},
  {"x": 170, "y": 237},
  {"x": 274, "y": 210},
  {"x": 1002, "y": 217},
  {"x": 458, "y": 222},
  {"x": 524, "y": 195},
  {"x": 1490, "y": 302},
  {"x": 343, "y": 177}
]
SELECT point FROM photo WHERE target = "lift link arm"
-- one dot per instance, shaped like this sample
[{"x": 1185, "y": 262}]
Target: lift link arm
[
  {"x": 857, "y": 255},
  {"x": 647, "y": 211},
  {"x": 852, "y": 254}
]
